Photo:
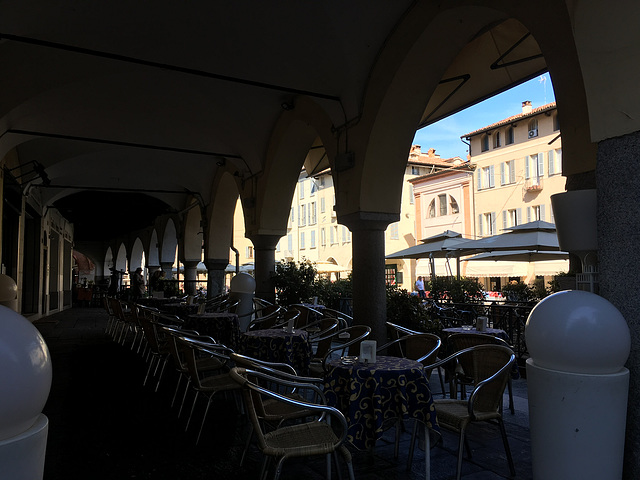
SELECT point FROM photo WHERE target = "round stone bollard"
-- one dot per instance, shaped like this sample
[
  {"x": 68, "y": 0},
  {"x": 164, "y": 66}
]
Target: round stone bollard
[
  {"x": 242, "y": 288},
  {"x": 578, "y": 386},
  {"x": 25, "y": 382}
]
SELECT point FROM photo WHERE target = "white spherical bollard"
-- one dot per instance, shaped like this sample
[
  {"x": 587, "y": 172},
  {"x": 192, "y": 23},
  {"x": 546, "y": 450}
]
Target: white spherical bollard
[
  {"x": 25, "y": 382},
  {"x": 578, "y": 386},
  {"x": 577, "y": 331},
  {"x": 8, "y": 292},
  {"x": 242, "y": 288}
]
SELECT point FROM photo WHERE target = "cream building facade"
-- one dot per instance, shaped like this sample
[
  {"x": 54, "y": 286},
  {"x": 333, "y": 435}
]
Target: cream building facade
[
  {"x": 314, "y": 234},
  {"x": 518, "y": 167}
]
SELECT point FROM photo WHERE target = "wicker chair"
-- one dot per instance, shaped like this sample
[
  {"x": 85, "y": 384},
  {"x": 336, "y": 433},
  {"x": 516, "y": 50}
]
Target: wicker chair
[
  {"x": 271, "y": 412},
  {"x": 490, "y": 367},
  {"x": 421, "y": 347},
  {"x": 460, "y": 341},
  {"x": 205, "y": 364},
  {"x": 395, "y": 332},
  {"x": 205, "y": 382},
  {"x": 309, "y": 438}
]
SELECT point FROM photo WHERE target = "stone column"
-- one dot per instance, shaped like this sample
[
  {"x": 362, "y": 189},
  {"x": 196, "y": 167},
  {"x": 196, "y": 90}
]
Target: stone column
[
  {"x": 215, "y": 276},
  {"x": 618, "y": 178},
  {"x": 190, "y": 276},
  {"x": 265, "y": 265},
  {"x": 368, "y": 284},
  {"x": 167, "y": 268}
]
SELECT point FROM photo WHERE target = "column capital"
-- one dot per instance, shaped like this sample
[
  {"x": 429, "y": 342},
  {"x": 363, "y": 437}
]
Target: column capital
[
  {"x": 368, "y": 220},
  {"x": 264, "y": 241},
  {"x": 216, "y": 263}
]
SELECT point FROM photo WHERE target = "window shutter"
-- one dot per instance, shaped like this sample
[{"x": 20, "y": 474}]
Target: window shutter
[
  {"x": 519, "y": 216},
  {"x": 493, "y": 223},
  {"x": 542, "y": 217},
  {"x": 491, "y": 174},
  {"x": 540, "y": 164},
  {"x": 502, "y": 174},
  {"x": 528, "y": 214},
  {"x": 512, "y": 171},
  {"x": 526, "y": 167},
  {"x": 479, "y": 179},
  {"x": 480, "y": 224},
  {"x": 552, "y": 167},
  {"x": 504, "y": 220}
]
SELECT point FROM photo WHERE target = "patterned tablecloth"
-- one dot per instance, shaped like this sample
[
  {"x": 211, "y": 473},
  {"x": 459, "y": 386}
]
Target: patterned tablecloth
[
  {"x": 373, "y": 397},
  {"x": 494, "y": 332},
  {"x": 223, "y": 327},
  {"x": 277, "y": 345}
]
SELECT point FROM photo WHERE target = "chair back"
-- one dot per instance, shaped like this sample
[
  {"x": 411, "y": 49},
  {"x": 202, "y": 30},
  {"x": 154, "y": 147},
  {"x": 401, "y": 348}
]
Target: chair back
[
  {"x": 194, "y": 348},
  {"x": 460, "y": 341},
  {"x": 422, "y": 347},
  {"x": 347, "y": 341},
  {"x": 490, "y": 369}
]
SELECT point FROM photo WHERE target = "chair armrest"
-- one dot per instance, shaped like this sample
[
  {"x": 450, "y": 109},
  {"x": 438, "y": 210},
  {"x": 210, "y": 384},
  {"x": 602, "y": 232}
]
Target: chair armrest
[{"x": 496, "y": 376}]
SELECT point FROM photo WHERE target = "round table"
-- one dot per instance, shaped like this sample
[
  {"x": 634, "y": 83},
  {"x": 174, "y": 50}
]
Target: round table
[
  {"x": 374, "y": 396},
  {"x": 222, "y": 326},
  {"x": 279, "y": 346}
]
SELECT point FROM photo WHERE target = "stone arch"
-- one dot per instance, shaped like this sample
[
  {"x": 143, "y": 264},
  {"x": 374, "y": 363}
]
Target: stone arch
[
  {"x": 192, "y": 235},
  {"x": 154, "y": 256},
  {"x": 108, "y": 260},
  {"x": 169, "y": 246},
  {"x": 137, "y": 258},
  {"x": 121, "y": 258},
  {"x": 295, "y": 133},
  {"x": 220, "y": 223}
]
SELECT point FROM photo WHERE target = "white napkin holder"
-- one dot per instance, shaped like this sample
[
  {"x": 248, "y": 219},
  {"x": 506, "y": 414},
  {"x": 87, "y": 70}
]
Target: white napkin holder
[
  {"x": 368, "y": 351},
  {"x": 290, "y": 325}
]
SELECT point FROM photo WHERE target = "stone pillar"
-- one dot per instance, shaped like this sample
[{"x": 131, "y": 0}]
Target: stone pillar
[
  {"x": 190, "y": 276},
  {"x": 265, "y": 265},
  {"x": 368, "y": 284},
  {"x": 167, "y": 268},
  {"x": 215, "y": 276},
  {"x": 618, "y": 178}
]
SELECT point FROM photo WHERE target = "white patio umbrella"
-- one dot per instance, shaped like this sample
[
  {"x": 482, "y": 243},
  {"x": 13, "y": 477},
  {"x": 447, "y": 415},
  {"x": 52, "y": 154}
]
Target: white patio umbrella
[
  {"x": 533, "y": 236},
  {"x": 521, "y": 256},
  {"x": 441, "y": 245}
]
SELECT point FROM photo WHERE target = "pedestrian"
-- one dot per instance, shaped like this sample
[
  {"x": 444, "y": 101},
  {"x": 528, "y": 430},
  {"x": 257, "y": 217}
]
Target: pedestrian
[
  {"x": 420, "y": 288},
  {"x": 137, "y": 284}
]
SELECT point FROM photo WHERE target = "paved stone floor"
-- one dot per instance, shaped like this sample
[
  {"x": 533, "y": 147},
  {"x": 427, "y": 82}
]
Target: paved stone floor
[{"x": 104, "y": 424}]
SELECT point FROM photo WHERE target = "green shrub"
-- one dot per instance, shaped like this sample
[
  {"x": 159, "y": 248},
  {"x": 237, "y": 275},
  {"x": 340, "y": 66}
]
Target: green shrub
[
  {"x": 294, "y": 282},
  {"x": 407, "y": 310},
  {"x": 330, "y": 294},
  {"x": 464, "y": 290}
]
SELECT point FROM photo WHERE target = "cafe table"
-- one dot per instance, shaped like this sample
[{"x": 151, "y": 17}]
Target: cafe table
[
  {"x": 374, "y": 396},
  {"x": 494, "y": 332},
  {"x": 223, "y": 327},
  {"x": 278, "y": 345}
]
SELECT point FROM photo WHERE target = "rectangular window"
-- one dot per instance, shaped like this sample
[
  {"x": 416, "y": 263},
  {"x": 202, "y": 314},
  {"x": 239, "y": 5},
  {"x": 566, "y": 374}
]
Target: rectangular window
[
  {"x": 249, "y": 252},
  {"x": 488, "y": 177},
  {"x": 415, "y": 170},
  {"x": 291, "y": 217},
  {"x": 290, "y": 242},
  {"x": 302, "y": 241},
  {"x": 302, "y": 215},
  {"x": 313, "y": 216},
  {"x": 534, "y": 166},
  {"x": 497, "y": 140},
  {"x": 393, "y": 231},
  {"x": 487, "y": 224},
  {"x": 322, "y": 205},
  {"x": 536, "y": 212},
  {"x": 323, "y": 237},
  {"x": 314, "y": 186},
  {"x": 442, "y": 202},
  {"x": 411, "y": 195},
  {"x": 313, "y": 239},
  {"x": 508, "y": 172},
  {"x": 511, "y": 218},
  {"x": 301, "y": 189}
]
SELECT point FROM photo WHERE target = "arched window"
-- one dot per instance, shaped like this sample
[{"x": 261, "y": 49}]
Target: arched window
[
  {"x": 453, "y": 206},
  {"x": 533, "y": 128},
  {"x": 431, "y": 211},
  {"x": 485, "y": 143},
  {"x": 497, "y": 140},
  {"x": 510, "y": 137}
]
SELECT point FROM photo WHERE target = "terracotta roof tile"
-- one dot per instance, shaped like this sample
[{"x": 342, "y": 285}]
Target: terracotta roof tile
[{"x": 511, "y": 119}]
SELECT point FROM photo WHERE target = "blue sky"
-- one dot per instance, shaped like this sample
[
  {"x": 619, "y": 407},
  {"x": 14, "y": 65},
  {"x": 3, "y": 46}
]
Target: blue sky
[{"x": 444, "y": 135}]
